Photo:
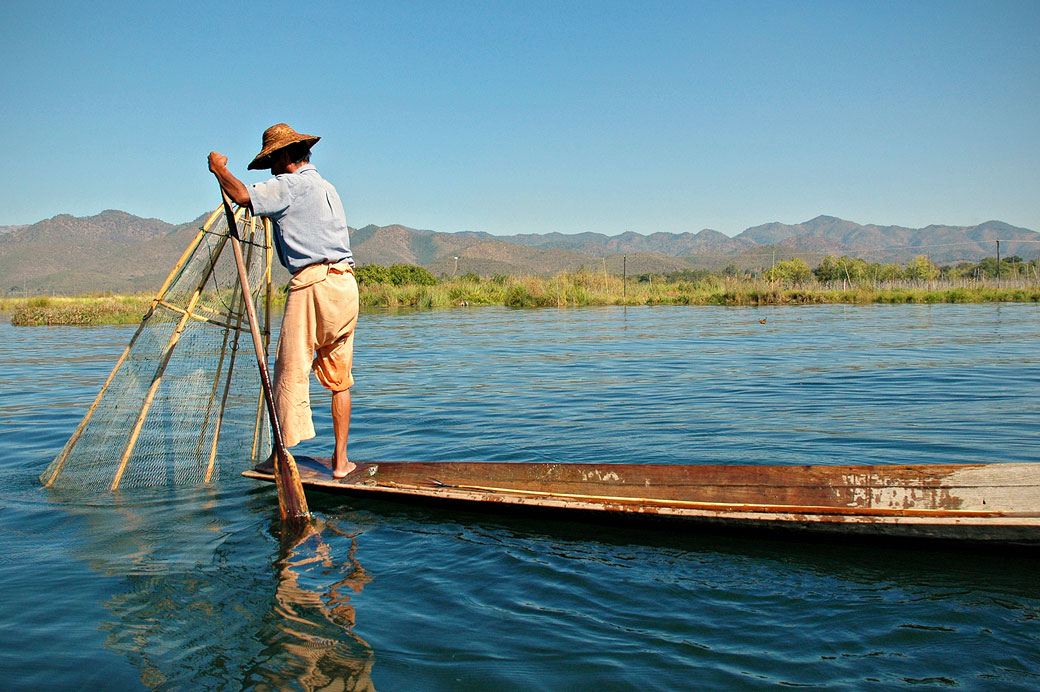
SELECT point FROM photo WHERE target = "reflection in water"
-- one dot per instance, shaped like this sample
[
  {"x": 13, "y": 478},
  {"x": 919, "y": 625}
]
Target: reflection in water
[
  {"x": 197, "y": 608},
  {"x": 296, "y": 636},
  {"x": 192, "y": 589}
]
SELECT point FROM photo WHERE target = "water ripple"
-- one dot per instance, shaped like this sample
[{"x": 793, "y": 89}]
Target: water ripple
[{"x": 199, "y": 588}]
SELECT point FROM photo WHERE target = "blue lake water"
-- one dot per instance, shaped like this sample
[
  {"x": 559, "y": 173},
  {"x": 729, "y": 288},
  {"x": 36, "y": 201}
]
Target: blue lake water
[{"x": 196, "y": 588}]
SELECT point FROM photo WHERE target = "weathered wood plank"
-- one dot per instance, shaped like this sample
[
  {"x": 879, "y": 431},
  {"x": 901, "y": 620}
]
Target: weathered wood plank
[{"x": 977, "y": 502}]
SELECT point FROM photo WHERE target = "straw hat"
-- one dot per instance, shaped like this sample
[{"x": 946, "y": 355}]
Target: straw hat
[{"x": 278, "y": 137}]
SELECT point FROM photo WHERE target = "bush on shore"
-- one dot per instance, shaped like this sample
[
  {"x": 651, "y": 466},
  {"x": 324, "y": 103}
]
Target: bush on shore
[
  {"x": 80, "y": 311},
  {"x": 584, "y": 288},
  {"x": 567, "y": 289}
]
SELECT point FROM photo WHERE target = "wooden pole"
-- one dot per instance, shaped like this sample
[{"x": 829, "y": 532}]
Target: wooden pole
[
  {"x": 998, "y": 262},
  {"x": 237, "y": 311},
  {"x": 60, "y": 461},
  {"x": 291, "y": 501},
  {"x": 165, "y": 360},
  {"x": 232, "y": 324},
  {"x": 223, "y": 402},
  {"x": 269, "y": 297}
]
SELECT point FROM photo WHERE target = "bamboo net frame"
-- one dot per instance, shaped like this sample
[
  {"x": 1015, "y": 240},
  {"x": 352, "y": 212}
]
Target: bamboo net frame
[{"x": 177, "y": 403}]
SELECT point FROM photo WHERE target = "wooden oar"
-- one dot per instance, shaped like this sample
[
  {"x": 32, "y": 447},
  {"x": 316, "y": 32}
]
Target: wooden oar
[{"x": 291, "y": 501}]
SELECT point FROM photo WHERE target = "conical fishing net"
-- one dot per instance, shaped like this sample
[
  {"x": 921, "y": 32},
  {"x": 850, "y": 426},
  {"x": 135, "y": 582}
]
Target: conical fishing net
[{"x": 185, "y": 395}]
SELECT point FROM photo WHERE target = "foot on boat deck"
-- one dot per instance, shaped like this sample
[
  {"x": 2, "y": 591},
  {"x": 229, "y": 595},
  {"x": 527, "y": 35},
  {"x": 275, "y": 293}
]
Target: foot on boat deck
[
  {"x": 359, "y": 472},
  {"x": 267, "y": 465},
  {"x": 348, "y": 469}
]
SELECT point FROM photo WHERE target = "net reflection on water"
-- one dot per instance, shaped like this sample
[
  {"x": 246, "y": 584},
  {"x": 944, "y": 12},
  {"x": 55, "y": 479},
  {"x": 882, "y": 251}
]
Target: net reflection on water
[{"x": 197, "y": 609}]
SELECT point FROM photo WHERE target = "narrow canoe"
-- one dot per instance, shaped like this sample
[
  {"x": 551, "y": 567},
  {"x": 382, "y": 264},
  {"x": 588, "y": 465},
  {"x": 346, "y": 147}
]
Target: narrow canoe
[{"x": 988, "y": 503}]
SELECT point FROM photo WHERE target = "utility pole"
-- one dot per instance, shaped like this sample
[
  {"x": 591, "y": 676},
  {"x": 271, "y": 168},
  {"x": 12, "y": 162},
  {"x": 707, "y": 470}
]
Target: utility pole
[{"x": 998, "y": 261}]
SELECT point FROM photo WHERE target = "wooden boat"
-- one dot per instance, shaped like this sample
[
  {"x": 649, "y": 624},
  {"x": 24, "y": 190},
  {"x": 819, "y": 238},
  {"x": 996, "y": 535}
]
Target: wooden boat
[{"x": 986, "y": 503}]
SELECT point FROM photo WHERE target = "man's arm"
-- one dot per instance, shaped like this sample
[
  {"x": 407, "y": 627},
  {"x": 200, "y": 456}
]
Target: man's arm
[{"x": 234, "y": 187}]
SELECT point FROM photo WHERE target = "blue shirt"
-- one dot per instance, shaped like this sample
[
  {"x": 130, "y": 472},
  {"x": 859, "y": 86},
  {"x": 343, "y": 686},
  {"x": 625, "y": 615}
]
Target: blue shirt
[{"x": 310, "y": 226}]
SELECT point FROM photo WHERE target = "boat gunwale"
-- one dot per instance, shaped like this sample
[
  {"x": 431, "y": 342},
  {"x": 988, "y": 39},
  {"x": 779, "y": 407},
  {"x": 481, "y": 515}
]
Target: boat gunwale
[{"x": 919, "y": 475}]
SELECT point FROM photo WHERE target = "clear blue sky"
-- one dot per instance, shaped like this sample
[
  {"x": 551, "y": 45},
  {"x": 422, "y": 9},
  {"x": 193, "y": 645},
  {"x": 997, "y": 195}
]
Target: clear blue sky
[{"x": 534, "y": 116}]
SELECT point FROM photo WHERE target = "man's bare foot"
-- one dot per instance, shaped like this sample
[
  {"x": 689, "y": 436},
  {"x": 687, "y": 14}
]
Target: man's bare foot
[
  {"x": 342, "y": 470},
  {"x": 267, "y": 465}
]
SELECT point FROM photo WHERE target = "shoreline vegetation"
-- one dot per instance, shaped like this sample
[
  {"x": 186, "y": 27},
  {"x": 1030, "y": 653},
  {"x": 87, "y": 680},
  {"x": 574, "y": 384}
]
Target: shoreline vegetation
[{"x": 571, "y": 289}]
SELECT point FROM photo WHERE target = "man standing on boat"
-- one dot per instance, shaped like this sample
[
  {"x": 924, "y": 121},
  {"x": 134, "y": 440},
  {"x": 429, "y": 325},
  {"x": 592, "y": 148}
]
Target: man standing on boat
[{"x": 321, "y": 310}]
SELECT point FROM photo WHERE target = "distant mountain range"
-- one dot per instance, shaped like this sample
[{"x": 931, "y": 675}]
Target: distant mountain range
[{"x": 120, "y": 252}]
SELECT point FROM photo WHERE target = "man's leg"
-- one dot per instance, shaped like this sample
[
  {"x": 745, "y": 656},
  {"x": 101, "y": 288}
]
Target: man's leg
[
  {"x": 337, "y": 303},
  {"x": 292, "y": 365},
  {"x": 341, "y": 428}
]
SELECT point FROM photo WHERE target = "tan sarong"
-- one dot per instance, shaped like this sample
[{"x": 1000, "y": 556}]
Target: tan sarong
[{"x": 321, "y": 311}]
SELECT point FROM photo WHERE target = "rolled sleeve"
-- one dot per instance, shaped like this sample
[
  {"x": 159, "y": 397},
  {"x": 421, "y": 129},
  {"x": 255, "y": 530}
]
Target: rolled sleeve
[{"x": 271, "y": 197}]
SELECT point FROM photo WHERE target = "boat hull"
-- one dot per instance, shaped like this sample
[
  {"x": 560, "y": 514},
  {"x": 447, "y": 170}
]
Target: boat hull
[{"x": 983, "y": 503}]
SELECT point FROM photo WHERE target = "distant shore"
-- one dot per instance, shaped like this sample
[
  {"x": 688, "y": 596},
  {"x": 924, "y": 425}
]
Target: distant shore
[
  {"x": 590, "y": 288},
  {"x": 581, "y": 289},
  {"x": 37, "y": 311}
]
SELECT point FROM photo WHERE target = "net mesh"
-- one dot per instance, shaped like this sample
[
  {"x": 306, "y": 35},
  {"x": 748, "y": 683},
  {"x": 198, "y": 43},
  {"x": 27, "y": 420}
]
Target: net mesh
[{"x": 185, "y": 396}]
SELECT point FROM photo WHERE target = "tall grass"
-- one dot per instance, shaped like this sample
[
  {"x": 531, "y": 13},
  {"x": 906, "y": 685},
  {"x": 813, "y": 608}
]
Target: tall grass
[
  {"x": 576, "y": 289},
  {"x": 567, "y": 289},
  {"x": 83, "y": 310}
]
